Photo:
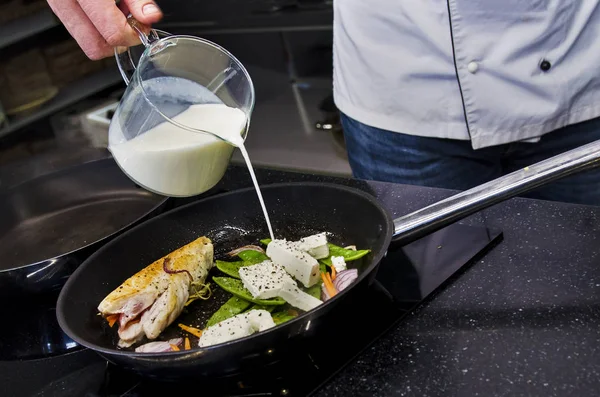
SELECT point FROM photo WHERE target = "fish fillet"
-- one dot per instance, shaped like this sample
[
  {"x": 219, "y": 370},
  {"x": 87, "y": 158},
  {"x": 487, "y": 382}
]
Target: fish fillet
[{"x": 150, "y": 300}]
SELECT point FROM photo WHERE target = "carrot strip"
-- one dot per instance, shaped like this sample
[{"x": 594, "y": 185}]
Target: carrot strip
[
  {"x": 174, "y": 347},
  {"x": 328, "y": 285},
  {"x": 328, "y": 275},
  {"x": 194, "y": 331},
  {"x": 331, "y": 289},
  {"x": 187, "y": 343},
  {"x": 333, "y": 273},
  {"x": 112, "y": 319},
  {"x": 324, "y": 278}
]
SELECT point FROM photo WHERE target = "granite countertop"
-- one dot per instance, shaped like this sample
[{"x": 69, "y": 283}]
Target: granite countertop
[{"x": 524, "y": 320}]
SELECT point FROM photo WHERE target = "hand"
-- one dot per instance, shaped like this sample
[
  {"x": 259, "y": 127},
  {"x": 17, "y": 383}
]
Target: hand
[{"x": 100, "y": 25}]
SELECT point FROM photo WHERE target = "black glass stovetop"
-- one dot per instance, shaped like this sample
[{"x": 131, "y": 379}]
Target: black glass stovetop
[{"x": 406, "y": 277}]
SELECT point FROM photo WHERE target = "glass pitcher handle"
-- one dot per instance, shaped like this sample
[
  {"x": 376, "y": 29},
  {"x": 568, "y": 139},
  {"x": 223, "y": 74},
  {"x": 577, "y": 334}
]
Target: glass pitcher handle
[
  {"x": 124, "y": 59},
  {"x": 138, "y": 27}
]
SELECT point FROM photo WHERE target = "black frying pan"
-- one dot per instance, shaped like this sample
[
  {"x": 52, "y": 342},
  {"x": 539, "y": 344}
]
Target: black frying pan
[
  {"x": 50, "y": 224},
  {"x": 230, "y": 220},
  {"x": 234, "y": 219}
]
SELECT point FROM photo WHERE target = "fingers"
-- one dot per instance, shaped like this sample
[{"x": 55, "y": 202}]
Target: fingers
[
  {"x": 145, "y": 11},
  {"x": 110, "y": 22},
  {"x": 123, "y": 7},
  {"x": 81, "y": 28},
  {"x": 100, "y": 25}
]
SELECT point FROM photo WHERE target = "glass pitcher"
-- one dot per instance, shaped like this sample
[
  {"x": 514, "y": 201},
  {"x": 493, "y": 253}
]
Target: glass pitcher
[{"x": 187, "y": 105}]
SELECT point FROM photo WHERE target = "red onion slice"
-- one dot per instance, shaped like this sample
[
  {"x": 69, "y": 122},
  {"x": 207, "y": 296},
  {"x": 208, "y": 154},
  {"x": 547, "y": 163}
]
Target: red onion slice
[
  {"x": 344, "y": 278},
  {"x": 324, "y": 294},
  {"x": 246, "y": 248},
  {"x": 170, "y": 271},
  {"x": 159, "y": 347}
]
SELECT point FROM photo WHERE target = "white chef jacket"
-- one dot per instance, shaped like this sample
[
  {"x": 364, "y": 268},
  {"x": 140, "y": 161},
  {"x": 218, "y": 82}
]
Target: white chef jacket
[{"x": 488, "y": 71}]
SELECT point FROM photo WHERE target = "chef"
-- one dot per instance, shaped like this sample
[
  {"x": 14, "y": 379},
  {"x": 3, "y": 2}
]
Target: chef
[{"x": 442, "y": 93}]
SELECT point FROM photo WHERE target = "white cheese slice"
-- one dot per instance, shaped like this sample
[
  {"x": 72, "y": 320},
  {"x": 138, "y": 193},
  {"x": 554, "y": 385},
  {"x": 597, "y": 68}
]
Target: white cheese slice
[
  {"x": 298, "y": 298},
  {"x": 339, "y": 263},
  {"x": 239, "y": 326},
  {"x": 265, "y": 279},
  {"x": 315, "y": 245},
  {"x": 297, "y": 263}
]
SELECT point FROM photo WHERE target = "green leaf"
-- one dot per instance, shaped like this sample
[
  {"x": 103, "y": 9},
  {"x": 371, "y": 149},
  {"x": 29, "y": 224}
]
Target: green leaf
[
  {"x": 232, "y": 307},
  {"x": 348, "y": 255},
  {"x": 322, "y": 266},
  {"x": 252, "y": 257},
  {"x": 265, "y": 241},
  {"x": 236, "y": 287},
  {"x": 231, "y": 268},
  {"x": 315, "y": 290}
]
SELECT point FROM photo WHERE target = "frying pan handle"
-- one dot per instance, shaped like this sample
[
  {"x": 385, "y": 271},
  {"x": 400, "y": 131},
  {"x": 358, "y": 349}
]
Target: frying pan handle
[{"x": 427, "y": 220}]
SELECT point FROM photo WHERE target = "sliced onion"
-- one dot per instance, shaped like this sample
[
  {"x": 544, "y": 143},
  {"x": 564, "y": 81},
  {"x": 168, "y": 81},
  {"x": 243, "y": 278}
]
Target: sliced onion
[
  {"x": 166, "y": 263},
  {"x": 344, "y": 278},
  {"x": 351, "y": 247},
  {"x": 246, "y": 248},
  {"x": 324, "y": 294},
  {"x": 159, "y": 347}
]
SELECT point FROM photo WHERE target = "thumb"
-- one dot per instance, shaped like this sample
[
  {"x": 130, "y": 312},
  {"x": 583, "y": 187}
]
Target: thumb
[{"x": 145, "y": 11}]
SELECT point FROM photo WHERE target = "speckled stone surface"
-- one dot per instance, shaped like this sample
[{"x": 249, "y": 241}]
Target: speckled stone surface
[{"x": 523, "y": 321}]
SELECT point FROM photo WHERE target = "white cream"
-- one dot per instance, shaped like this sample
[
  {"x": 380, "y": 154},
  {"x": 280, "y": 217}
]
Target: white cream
[{"x": 176, "y": 162}]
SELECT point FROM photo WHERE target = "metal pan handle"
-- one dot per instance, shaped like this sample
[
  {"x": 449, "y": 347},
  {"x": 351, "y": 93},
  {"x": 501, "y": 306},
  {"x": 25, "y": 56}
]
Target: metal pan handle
[{"x": 429, "y": 219}]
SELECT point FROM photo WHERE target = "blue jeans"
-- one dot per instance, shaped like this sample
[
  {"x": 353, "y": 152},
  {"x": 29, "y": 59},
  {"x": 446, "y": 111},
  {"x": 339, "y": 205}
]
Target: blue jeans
[{"x": 381, "y": 155}]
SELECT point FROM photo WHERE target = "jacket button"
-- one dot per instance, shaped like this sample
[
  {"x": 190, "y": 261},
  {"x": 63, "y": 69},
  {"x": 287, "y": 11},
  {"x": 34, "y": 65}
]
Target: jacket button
[
  {"x": 545, "y": 65},
  {"x": 472, "y": 67}
]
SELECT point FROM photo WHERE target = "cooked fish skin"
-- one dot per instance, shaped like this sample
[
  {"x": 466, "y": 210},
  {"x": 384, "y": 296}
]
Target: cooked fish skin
[
  {"x": 151, "y": 281},
  {"x": 157, "y": 295},
  {"x": 166, "y": 308}
]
